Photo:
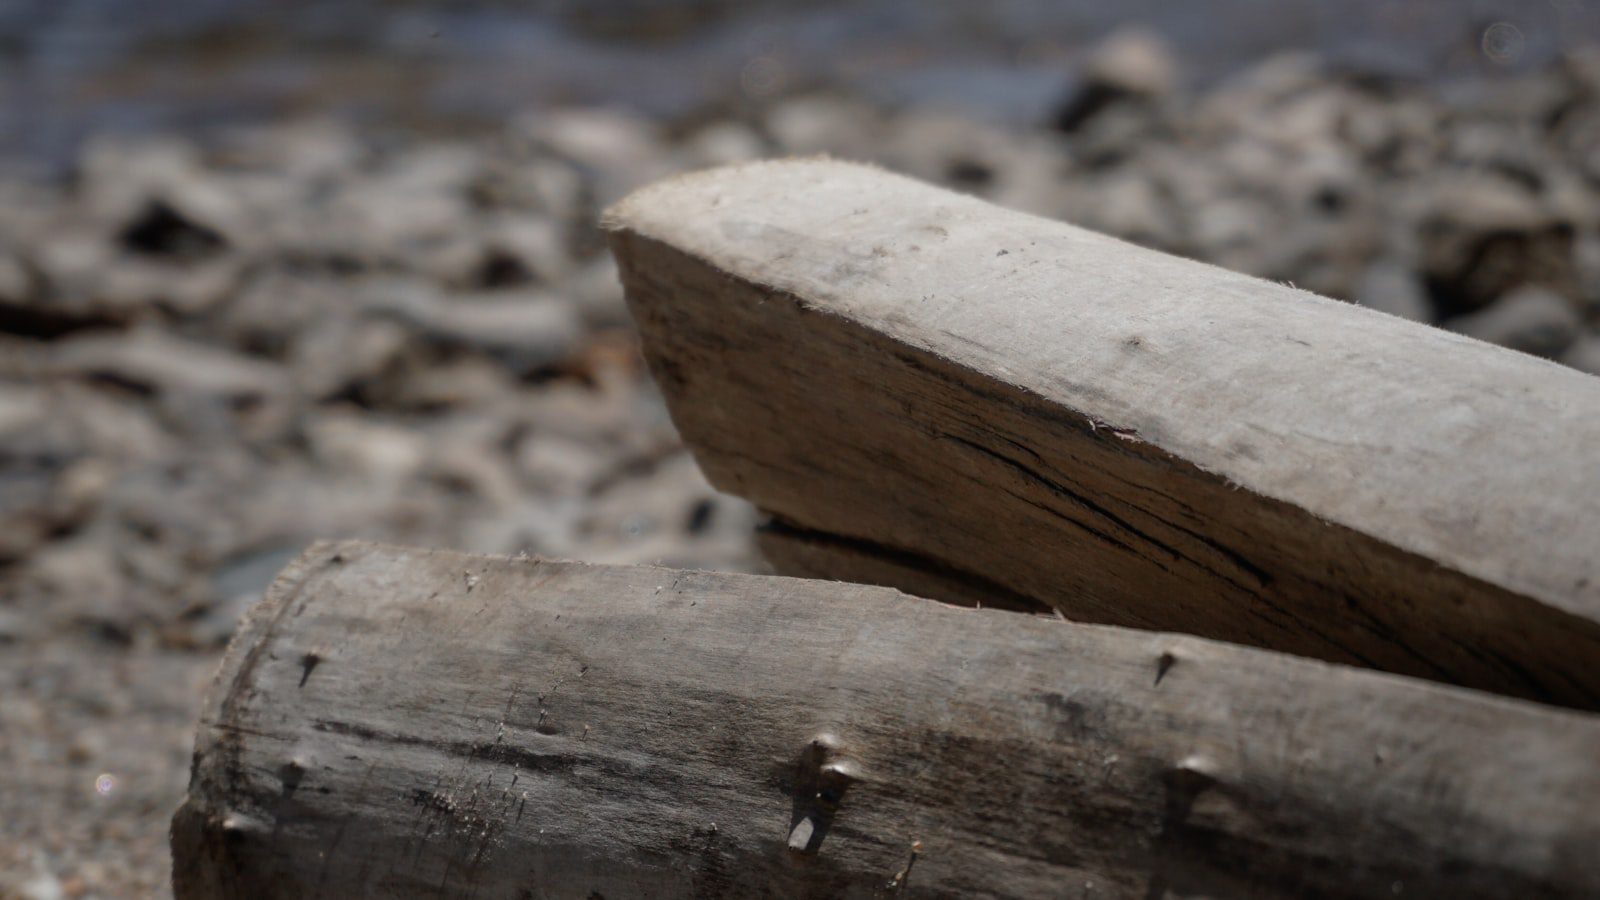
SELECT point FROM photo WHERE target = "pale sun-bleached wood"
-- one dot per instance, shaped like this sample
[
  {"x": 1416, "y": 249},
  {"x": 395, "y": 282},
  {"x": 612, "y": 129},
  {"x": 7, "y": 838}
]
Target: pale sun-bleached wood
[{"x": 1127, "y": 436}]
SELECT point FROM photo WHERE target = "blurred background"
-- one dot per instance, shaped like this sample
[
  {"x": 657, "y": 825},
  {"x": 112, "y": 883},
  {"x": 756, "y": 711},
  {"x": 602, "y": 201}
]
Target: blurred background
[{"x": 273, "y": 270}]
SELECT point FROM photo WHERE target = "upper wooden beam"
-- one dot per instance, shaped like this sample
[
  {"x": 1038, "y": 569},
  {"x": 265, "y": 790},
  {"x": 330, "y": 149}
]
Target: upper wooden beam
[{"x": 915, "y": 381}]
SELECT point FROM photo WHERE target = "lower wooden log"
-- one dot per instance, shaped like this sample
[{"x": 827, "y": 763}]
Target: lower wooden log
[{"x": 395, "y": 722}]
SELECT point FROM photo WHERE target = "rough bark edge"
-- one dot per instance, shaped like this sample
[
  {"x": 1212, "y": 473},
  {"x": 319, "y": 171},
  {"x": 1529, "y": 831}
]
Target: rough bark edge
[{"x": 199, "y": 843}]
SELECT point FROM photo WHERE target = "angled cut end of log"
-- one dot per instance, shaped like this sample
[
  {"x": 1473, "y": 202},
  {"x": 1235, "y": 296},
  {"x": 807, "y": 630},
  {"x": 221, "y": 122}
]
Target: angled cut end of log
[
  {"x": 420, "y": 723},
  {"x": 928, "y": 391}
]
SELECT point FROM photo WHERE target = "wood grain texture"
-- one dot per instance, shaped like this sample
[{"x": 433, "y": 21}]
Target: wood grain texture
[
  {"x": 1129, "y": 437},
  {"x": 397, "y": 723}
]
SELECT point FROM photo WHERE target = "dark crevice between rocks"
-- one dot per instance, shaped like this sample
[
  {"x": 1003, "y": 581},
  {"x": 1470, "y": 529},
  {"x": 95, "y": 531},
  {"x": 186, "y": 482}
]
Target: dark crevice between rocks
[
  {"x": 161, "y": 230},
  {"x": 39, "y": 322}
]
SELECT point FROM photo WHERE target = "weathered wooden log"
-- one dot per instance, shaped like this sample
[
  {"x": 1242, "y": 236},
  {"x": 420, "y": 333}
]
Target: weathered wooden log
[
  {"x": 405, "y": 722},
  {"x": 935, "y": 393}
]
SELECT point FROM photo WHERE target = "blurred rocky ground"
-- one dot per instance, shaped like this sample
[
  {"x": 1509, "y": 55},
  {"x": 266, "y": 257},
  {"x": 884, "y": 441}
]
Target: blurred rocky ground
[
  {"x": 211, "y": 354},
  {"x": 70, "y": 68}
]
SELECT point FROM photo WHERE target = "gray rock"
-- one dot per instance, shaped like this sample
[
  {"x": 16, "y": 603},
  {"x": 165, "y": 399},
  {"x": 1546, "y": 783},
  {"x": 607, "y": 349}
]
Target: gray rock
[
  {"x": 144, "y": 284},
  {"x": 1391, "y": 287},
  {"x": 345, "y": 355},
  {"x": 621, "y": 151},
  {"x": 723, "y": 143},
  {"x": 214, "y": 625},
  {"x": 1135, "y": 61},
  {"x": 86, "y": 579},
  {"x": 71, "y": 264},
  {"x": 158, "y": 362},
  {"x": 1131, "y": 205},
  {"x": 15, "y": 627},
  {"x": 349, "y": 443},
  {"x": 1584, "y": 354},
  {"x": 551, "y": 187},
  {"x": 521, "y": 248},
  {"x": 596, "y": 290},
  {"x": 824, "y": 123},
  {"x": 558, "y": 465},
  {"x": 1586, "y": 259},
  {"x": 524, "y": 330},
  {"x": 1531, "y": 319},
  {"x": 1130, "y": 66},
  {"x": 17, "y": 285},
  {"x": 944, "y": 147},
  {"x": 1483, "y": 235},
  {"x": 671, "y": 516},
  {"x": 468, "y": 381}
]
